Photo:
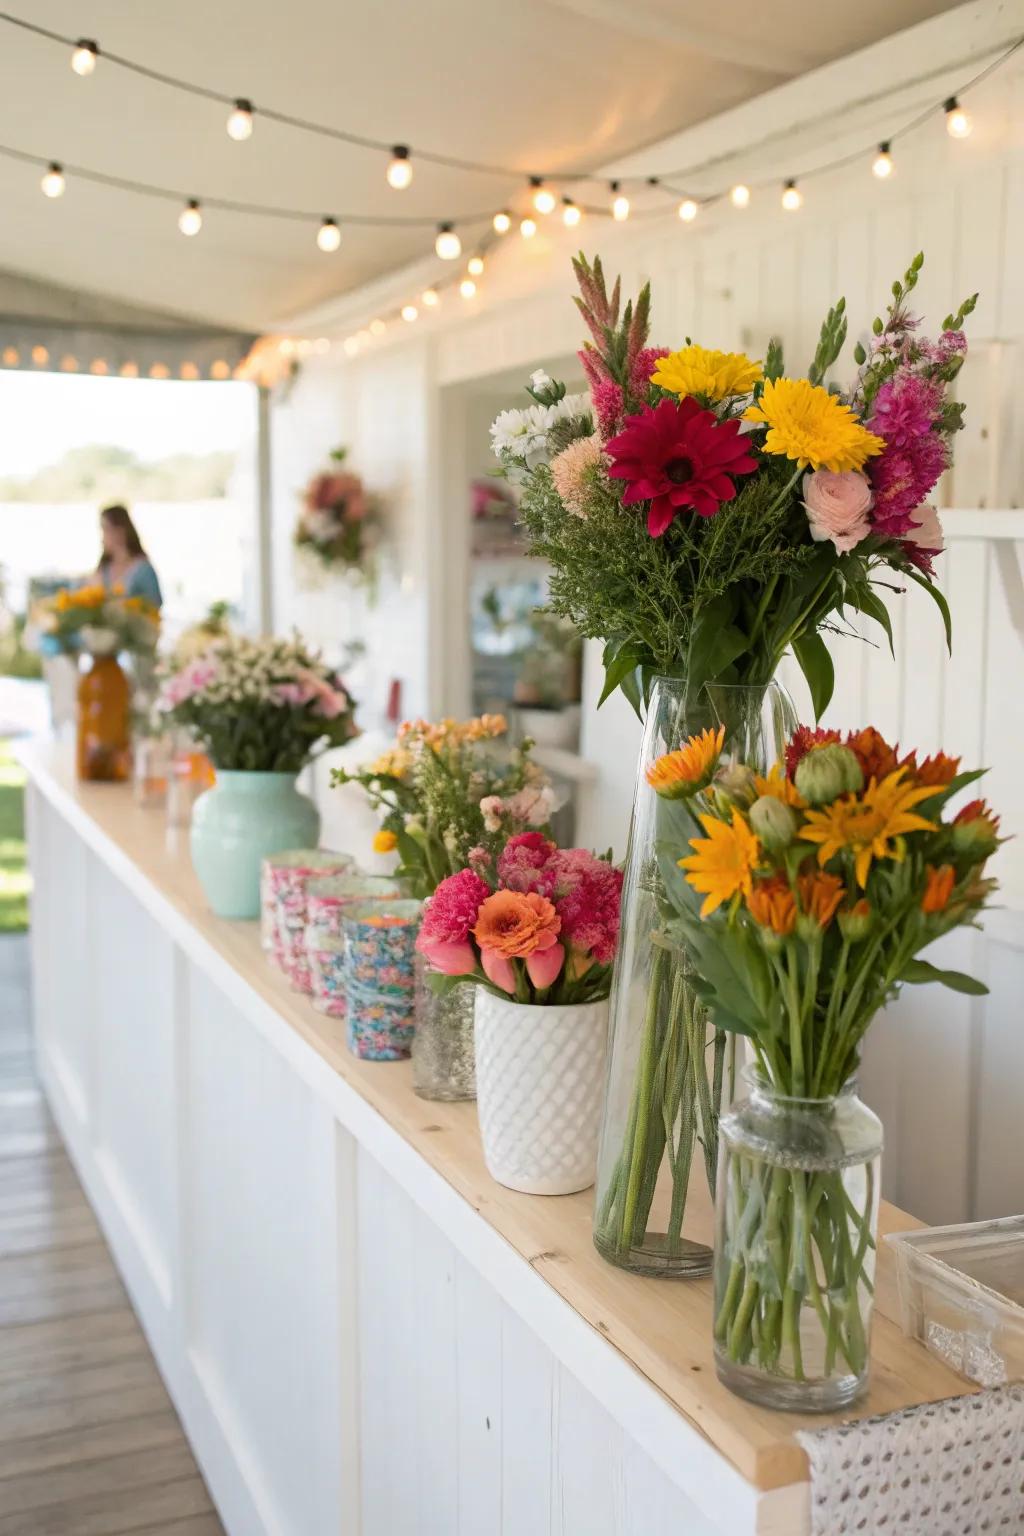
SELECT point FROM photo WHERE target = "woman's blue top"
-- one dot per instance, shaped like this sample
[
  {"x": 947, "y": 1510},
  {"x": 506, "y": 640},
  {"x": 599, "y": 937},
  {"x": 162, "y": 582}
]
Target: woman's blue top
[{"x": 142, "y": 582}]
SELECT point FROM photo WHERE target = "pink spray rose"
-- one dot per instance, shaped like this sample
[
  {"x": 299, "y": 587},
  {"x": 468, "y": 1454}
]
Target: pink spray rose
[{"x": 837, "y": 507}]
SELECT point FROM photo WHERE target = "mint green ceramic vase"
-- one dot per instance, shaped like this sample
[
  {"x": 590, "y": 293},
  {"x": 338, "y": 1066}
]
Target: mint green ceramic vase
[{"x": 238, "y": 823}]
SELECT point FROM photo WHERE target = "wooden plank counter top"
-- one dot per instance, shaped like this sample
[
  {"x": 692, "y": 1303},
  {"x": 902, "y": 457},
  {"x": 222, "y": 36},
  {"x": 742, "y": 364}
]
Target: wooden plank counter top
[{"x": 662, "y": 1328}]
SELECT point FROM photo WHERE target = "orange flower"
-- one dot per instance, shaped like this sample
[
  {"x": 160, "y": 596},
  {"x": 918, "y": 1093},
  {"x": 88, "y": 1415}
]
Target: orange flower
[
  {"x": 516, "y": 923},
  {"x": 681, "y": 773},
  {"x": 779, "y": 787},
  {"x": 384, "y": 841},
  {"x": 723, "y": 863},
  {"x": 938, "y": 887},
  {"x": 772, "y": 904},
  {"x": 939, "y": 770},
  {"x": 873, "y": 752},
  {"x": 820, "y": 895}
]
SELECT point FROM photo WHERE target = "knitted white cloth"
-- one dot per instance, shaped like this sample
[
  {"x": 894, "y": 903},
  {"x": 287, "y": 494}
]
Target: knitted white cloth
[{"x": 954, "y": 1468}]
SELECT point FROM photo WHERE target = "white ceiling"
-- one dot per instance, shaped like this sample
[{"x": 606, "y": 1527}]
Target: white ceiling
[{"x": 540, "y": 85}]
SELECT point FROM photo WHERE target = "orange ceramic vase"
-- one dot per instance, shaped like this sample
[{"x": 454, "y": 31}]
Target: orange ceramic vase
[{"x": 104, "y": 722}]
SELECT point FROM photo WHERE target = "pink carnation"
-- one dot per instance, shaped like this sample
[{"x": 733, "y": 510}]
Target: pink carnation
[
  {"x": 902, "y": 478},
  {"x": 522, "y": 863},
  {"x": 905, "y": 408},
  {"x": 587, "y": 899},
  {"x": 452, "y": 910}
]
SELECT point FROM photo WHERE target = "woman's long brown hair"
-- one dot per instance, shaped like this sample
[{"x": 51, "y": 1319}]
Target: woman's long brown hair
[{"x": 117, "y": 516}]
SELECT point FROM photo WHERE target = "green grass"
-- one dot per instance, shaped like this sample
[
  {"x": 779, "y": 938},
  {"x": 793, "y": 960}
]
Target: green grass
[{"x": 13, "y": 870}]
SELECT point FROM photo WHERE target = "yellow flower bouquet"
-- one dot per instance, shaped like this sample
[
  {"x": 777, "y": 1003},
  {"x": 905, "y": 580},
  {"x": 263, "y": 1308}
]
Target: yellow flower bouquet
[
  {"x": 805, "y": 896},
  {"x": 99, "y": 620}
]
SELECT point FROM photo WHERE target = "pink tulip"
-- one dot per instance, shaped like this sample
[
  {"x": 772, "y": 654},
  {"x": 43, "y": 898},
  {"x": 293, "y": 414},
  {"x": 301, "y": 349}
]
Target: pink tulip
[
  {"x": 544, "y": 965},
  {"x": 450, "y": 958},
  {"x": 499, "y": 970}
]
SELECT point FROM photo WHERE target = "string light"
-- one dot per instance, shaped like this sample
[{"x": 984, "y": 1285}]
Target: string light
[
  {"x": 53, "y": 182},
  {"x": 467, "y": 288},
  {"x": 740, "y": 195},
  {"x": 502, "y": 222},
  {"x": 543, "y": 197},
  {"x": 350, "y": 346},
  {"x": 99, "y": 367},
  {"x": 190, "y": 219},
  {"x": 159, "y": 371},
  {"x": 475, "y": 266},
  {"x": 688, "y": 210},
  {"x": 378, "y": 327},
  {"x": 399, "y": 171},
  {"x": 958, "y": 122},
  {"x": 571, "y": 214},
  {"x": 188, "y": 371},
  {"x": 131, "y": 371},
  {"x": 328, "y": 236},
  {"x": 239, "y": 124},
  {"x": 410, "y": 312},
  {"x": 40, "y": 356},
  {"x": 447, "y": 245},
  {"x": 792, "y": 197},
  {"x": 430, "y": 298},
  {"x": 881, "y": 166},
  {"x": 11, "y": 357},
  {"x": 528, "y": 228},
  {"x": 620, "y": 203},
  {"x": 83, "y": 60},
  {"x": 68, "y": 363}
]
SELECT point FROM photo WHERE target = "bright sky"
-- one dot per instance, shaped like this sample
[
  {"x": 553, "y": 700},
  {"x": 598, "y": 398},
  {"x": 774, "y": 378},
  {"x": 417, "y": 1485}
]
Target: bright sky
[{"x": 42, "y": 415}]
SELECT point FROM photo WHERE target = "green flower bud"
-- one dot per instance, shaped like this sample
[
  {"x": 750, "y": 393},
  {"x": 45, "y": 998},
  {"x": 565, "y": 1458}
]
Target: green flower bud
[
  {"x": 774, "y": 823},
  {"x": 857, "y": 923},
  {"x": 734, "y": 785},
  {"x": 828, "y": 772}
]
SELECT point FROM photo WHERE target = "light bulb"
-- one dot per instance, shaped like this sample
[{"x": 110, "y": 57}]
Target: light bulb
[
  {"x": 410, "y": 312},
  {"x": 239, "y": 124},
  {"x": 543, "y": 198},
  {"x": 688, "y": 210},
  {"x": 69, "y": 363},
  {"x": 740, "y": 195},
  {"x": 881, "y": 166},
  {"x": 620, "y": 204},
  {"x": 40, "y": 356},
  {"x": 83, "y": 60},
  {"x": 502, "y": 222},
  {"x": 377, "y": 327},
  {"x": 528, "y": 228},
  {"x": 447, "y": 245},
  {"x": 958, "y": 122},
  {"x": 467, "y": 288},
  {"x": 792, "y": 197},
  {"x": 475, "y": 266},
  {"x": 571, "y": 214},
  {"x": 350, "y": 346},
  {"x": 130, "y": 370},
  {"x": 328, "y": 236},
  {"x": 430, "y": 298},
  {"x": 190, "y": 219},
  {"x": 399, "y": 171},
  {"x": 53, "y": 183},
  {"x": 321, "y": 346}
]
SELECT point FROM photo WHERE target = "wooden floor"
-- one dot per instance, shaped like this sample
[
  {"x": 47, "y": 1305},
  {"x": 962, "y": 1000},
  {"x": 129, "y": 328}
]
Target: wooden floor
[{"x": 89, "y": 1442}]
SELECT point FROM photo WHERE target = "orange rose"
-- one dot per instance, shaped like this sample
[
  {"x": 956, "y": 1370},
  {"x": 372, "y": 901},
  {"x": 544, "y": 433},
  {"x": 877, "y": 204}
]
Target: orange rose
[{"x": 515, "y": 924}]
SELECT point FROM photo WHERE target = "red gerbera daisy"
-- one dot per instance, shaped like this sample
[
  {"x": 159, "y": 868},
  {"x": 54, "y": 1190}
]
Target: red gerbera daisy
[{"x": 676, "y": 454}]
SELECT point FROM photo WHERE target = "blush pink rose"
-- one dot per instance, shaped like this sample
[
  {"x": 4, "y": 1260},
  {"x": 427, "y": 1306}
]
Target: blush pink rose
[
  {"x": 926, "y": 530},
  {"x": 837, "y": 507}
]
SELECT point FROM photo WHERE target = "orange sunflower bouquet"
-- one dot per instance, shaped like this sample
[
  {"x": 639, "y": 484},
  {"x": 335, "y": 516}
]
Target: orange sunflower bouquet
[{"x": 806, "y": 896}]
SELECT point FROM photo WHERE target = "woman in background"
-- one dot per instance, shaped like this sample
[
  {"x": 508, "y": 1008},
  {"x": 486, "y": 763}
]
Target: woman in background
[{"x": 124, "y": 563}]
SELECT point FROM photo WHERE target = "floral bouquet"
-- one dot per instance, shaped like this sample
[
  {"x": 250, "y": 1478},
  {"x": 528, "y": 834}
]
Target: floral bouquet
[
  {"x": 338, "y": 520},
  {"x": 805, "y": 897},
  {"x": 448, "y": 788},
  {"x": 265, "y": 706},
  {"x": 99, "y": 621},
  {"x": 703, "y": 512},
  {"x": 536, "y": 924}
]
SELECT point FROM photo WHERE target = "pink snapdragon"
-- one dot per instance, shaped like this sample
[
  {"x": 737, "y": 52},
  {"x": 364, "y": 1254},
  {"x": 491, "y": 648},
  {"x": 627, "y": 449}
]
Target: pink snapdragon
[
  {"x": 905, "y": 408},
  {"x": 902, "y": 478}
]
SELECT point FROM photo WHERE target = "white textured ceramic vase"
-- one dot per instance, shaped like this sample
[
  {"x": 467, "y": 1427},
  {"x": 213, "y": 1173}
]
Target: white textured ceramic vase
[{"x": 539, "y": 1084}]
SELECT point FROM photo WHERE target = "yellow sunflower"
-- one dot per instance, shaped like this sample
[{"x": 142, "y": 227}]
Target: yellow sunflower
[
  {"x": 713, "y": 375},
  {"x": 678, "y": 774},
  {"x": 723, "y": 863},
  {"x": 779, "y": 787},
  {"x": 807, "y": 424},
  {"x": 869, "y": 825}
]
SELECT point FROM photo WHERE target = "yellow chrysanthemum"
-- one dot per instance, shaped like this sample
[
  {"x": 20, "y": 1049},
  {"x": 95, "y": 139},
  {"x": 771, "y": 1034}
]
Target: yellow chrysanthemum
[
  {"x": 807, "y": 424},
  {"x": 384, "y": 841},
  {"x": 722, "y": 863},
  {"x": 779, "y": 787},
  {"x": 713, "y": 375},
  {"x": 869, "y": 825},
  {"x": 678, "y": 774}
]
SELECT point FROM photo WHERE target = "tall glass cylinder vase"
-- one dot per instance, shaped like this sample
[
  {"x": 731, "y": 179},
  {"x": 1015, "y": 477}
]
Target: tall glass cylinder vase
[
  {"x": 443, "y": 1054},
  {"x": 667, "y": 1068}
]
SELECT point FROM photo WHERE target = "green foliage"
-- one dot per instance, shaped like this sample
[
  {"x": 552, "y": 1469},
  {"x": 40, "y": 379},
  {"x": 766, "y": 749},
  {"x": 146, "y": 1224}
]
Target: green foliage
[{"x": 104, "y": 473}]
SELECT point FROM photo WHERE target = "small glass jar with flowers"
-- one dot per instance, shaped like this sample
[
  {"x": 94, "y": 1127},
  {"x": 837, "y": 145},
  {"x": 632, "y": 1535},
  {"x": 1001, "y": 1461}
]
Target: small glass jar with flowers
[
  {"x": 805, "y": 896},
  {"x": 534, "y": 930},
  {"x": 262, "y": 709}
]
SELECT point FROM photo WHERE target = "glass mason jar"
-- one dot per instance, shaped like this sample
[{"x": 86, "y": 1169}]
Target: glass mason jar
[
  {"x": 443, "y": 1057},
  {"x": 666, "y": 1066},
  {"x": 795, "y": 1240},
  {"x": 104, "y": 721}
]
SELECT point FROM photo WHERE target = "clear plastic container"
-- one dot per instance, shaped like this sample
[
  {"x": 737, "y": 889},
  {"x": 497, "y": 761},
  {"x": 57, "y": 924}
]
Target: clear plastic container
[{"x": 962, "y": 1295}]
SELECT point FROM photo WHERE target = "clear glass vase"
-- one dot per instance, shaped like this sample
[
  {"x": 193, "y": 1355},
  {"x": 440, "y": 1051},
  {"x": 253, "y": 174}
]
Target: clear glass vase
[
  {"x": 443, "y": 1058},
  {"x": 795, "y": 1234},
  {"x": 666, "y": 1066}
]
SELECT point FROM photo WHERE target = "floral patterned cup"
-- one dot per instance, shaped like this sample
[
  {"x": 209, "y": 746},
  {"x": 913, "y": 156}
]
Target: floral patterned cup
[
  {"x": 380, "y": 946},
  {"x": 284, "y": 878},
  {"x": 380, "y": 1027}
]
